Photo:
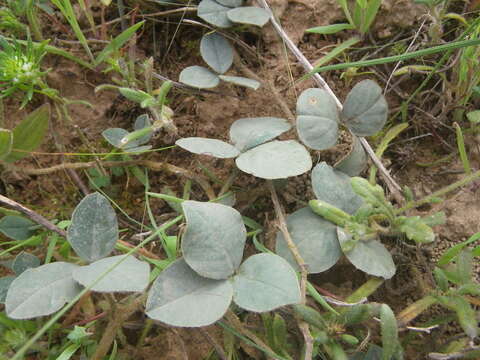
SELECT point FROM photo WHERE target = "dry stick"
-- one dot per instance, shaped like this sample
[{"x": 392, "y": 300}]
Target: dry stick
[
  {"x": 218, "y": 349},
  {"x": 278, "y": 98},
  {"x": 392, "y": 185},
  {"x": 282, "y": 225},
  {"x": 152, "y": 165},
  {"x": 118, "y": 318},
  {"x": 39, "y": 219}
]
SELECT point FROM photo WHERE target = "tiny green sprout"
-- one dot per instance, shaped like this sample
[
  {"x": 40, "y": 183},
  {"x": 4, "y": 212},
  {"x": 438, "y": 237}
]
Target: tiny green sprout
[{"x": 20, "y": 69}]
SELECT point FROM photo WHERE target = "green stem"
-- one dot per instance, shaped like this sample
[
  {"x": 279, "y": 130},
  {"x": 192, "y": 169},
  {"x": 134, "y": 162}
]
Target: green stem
[
  {"x": 461, "y": 149},
  {"x": 411, "y": 55},
  {"x": 427, "y": 199}
]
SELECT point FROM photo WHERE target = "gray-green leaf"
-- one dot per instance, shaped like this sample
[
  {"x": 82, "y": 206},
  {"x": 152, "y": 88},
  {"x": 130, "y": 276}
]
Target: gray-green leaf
[
  {"x": 94, "y": 228},
  {"x": 214, "y": 13},
  {"x": 214, "y": 239},
  {"x": 217, "y": 52},
  {"x": 275, "y": 160},
  {"x": 130, "y": 275},
  {"x": 247, "y": 133},
  {"x": 250, "y": 15},
  {"x": 199, "y": 77},
  {"x": 115, "y": 135},
  {"x": 142, "y": 122},
  {"x": 16, "y": 227},
  {"x": 370, "y": 257},
  {"x": 265, "y": 282},
  {"x": 4, "y": 286},
  {"x": 334, "y": 187},
  {"x": 355, "y": 161},
  {"x": 316, "y": 240},
  {"x": 317, "y": 119},
  {"x": 231, "y": 3},
  {"x": 41, "y": 291},
  {"x": 24, "y": 261},
  {"x": 365, "y": 110},
  {"x": 211, "y": 147},
  {"x": 241, "y": 81},
  {"x": 181, "y": 297}
]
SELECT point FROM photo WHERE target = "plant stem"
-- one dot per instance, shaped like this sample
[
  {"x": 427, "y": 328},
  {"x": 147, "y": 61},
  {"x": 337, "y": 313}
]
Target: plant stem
[
  {"x": 152, "y": 165},
  {"x": 282, "y": 225},
  {"x": 415, "y": 309},
  {"x": 462, "y": 182}
]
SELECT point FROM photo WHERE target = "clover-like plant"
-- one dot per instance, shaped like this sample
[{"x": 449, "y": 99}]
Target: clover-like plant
[
  {"x": 217, "y": 52},
  {"x": 351, "y": 222},
  {"x": 135, "y": 141},
  {"x": 254, "y": 150},
  {"x": 226, "y": 13},
  {"x": 198, "y": 289},
  {"x": 93, "y": 233}
]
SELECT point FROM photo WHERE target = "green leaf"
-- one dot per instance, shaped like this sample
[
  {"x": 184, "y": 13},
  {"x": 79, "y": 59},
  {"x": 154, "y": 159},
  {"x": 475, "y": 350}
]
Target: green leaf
[
  {"x": 416, "y": 229},
  {"x": 275, "y": 160},
  {"x": 247, "y": 133},
  {"x": 311, "y": 316},
  {"x": 241, "y": 81},
  {"x": 317, "y": 119},
  {"x": 334, "y": 187},
  {"x": 116, "y": 43},
  {"x": 474, "y": 117},
  {"x": 211, "y": 147},
  {"x": 199, "y": 77},
  {"x": 214, "y": 13},
  {"x": 6, "y": 142},
  {"x": 451, "y": 253},
  {"x": 355, "y": 161},
  {"x": 129, "y": 275},
  {"x": 134, "y": 95},
  {"x": 217, "y": 52},
  {"x": 93, "y": 232},
  {"x": 265, "y": 282},
  {"x": 250, "y": 15},
  {"x": 115, "y": 135},
  {"x": 180, "y": 297},
  {"x": 69, "y": 352},
  {"x": 330, "y": 29},
  {"x": 369, "y": 256},
  {"x": 41, "y": 291},
  {"x": 29, "y": 133},
  {"x": 315, "y": 238},
  {"x": 4, "y": 286},
  {"x": 24, "y": 261},
  {"x": 214, "y": 239},
  {"x": 142, "y": 122},
  {"x": 467, "y": 317},
  {"x": 388, "y": 323},
  {"x": 365, "y": 110},
  {"x": 16, "y": 227}
]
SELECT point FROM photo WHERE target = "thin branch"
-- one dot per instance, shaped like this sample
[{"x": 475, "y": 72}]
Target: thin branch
[
  {"x": 152, "y": 165},
  {"x": 39, "y": 219},
  {"x": 282, "y": 225},
  {"x": 391, "y": 183}
]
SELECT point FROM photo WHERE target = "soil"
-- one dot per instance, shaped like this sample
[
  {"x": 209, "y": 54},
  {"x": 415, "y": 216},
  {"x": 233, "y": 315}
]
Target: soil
[{"x": 210, "y": 115}]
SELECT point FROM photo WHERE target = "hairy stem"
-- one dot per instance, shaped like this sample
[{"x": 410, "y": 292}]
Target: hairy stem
[
  {"x": 152, "y": 165},
  {"x": 282, "y": 225}
]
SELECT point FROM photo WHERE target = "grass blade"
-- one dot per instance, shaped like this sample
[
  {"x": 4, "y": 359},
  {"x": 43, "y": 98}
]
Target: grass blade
[{"x": 395, "y": 58}]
